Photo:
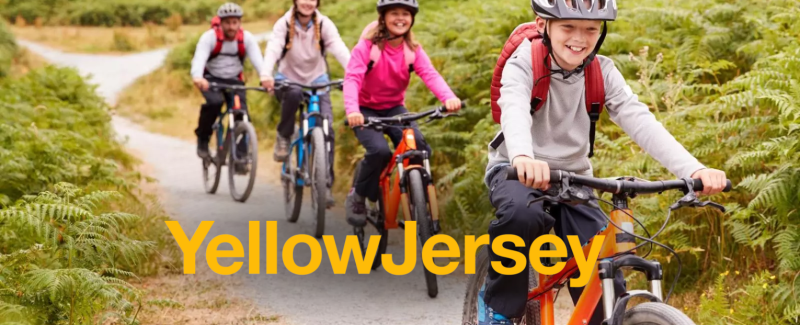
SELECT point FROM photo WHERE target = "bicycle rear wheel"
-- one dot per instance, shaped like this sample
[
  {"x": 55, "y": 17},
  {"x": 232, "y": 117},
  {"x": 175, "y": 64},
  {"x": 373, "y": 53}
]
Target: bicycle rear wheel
[
  {"x": 319, "y": 180},
  {"x": 419, "y": 211},
  {"x": 212, "y": 165},
  {"x": 241, "y": 163},
  {"x": 477, "y": 282}
]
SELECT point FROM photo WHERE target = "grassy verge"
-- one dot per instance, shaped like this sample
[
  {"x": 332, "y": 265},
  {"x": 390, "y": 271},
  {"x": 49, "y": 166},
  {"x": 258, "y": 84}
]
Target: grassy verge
[{"x": 117, "y": 40}]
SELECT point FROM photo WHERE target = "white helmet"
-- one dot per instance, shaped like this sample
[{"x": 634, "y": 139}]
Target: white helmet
[
  {"x": 605, "y": 10},
  {"x": 412, "y": 5},
  {"x": 230, "y": 9}
]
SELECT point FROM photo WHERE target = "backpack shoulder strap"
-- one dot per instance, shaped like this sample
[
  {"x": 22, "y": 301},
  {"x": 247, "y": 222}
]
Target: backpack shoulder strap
[
  {"x": 220, "y": 36},
  {"x": 595, "y": 98},
  {"x": 410, "y": 57},
  {"x": 321, "y": 39},
  {"x": 541, "y": 79},
  {"x": 285, "y": 40},
  {"x": 374, "y": 56},
  {"x": 240, "y": 44}
]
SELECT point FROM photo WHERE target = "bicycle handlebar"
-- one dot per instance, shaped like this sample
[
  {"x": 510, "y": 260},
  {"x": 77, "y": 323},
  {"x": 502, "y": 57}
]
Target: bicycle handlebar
[
  {"x": 619, "y": 186},
  {"x": 219, "y": 86},
  {"x": 405, "y": 118},
  {"x": 338, "y": 84}
]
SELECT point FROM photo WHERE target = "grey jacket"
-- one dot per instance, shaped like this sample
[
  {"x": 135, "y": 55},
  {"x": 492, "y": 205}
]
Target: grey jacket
[
  {"x": 227, "y": 64},
  {"x": 558, "y": 133}
]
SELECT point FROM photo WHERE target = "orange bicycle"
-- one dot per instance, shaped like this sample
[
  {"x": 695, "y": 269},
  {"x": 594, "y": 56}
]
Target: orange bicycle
[
  {"x": 412, "y": 180},
  {"x": 618, "y": 252}
]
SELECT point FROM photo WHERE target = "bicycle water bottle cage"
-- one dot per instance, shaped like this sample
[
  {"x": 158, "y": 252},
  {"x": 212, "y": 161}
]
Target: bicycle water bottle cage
[{"x": 690, "y": 199}]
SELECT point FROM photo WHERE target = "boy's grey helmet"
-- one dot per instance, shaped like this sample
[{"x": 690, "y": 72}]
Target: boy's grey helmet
[{"x": 604, "y": 10}]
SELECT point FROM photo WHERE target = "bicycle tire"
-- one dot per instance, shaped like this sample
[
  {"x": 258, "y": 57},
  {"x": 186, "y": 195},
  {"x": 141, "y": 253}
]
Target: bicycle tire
[
  {"x": 469, "y": 314},
  {"x": 319, "y": 180},
  {"x": 655, "y": 313},
  {"x": 419, "y": 211},
  {"x": 292, "y": 193},
  {"x": 247, "y": 130},
  {"x": 212, "y": 184}
]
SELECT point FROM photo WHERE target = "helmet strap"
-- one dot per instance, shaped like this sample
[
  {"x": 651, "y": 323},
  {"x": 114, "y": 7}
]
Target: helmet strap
[{"x": 586, "y": 62}]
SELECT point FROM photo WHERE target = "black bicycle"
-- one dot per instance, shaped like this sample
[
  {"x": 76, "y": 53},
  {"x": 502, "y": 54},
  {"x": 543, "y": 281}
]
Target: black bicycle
[{"x": 232, "y": 129}]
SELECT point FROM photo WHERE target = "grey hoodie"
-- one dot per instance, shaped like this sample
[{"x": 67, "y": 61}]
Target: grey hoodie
[{"x": 558, "y": 133}]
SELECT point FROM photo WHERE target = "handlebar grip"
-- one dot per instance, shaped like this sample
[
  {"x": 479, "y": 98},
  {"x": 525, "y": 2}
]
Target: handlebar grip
[
  {"x": 443, "y": 108},
  {"x": 698, "y": 185},
  {"x": 512, "y": 175}
]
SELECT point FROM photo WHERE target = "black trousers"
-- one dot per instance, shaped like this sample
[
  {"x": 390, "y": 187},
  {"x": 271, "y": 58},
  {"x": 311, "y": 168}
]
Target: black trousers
[
  {"x": 507, "y": 294},
  {"x": 378, "y": 153},
  {"x": 213, "y": 106},
  {"x": 290, "y": 99}
]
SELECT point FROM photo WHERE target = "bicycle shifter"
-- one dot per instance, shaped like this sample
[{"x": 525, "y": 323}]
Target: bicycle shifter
[{"x": 690, "y": 200}]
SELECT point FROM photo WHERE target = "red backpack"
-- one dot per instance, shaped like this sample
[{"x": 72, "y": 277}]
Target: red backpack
[
  {"x": 595, "y": 90},
  {"x": 215, "y": 25}
]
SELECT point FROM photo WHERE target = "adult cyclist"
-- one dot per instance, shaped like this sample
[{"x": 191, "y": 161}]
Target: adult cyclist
[
  {"x": 219, "y": 57},
  {"x": 300, "y": 40}
]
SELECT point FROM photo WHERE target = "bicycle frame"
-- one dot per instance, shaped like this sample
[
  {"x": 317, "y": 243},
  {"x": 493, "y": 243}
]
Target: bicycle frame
[
  {"x": 231, "y": 106},
  {"x": 396, "y": 194},
  {"x": 309, "y": 122},
  {"x": 616, "y": 242}
]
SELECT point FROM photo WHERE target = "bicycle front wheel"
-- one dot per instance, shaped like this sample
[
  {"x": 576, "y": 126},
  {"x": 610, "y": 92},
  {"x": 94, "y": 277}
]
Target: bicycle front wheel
[
  {"x": 477, "y": 283},
  {"x": 319, "y": 180},
  {"x": 654, "y": 313},
  {"x": 419, "y": 209},
  {"x": 243, "y": 161},
  {"x": 292, "y": 193}
]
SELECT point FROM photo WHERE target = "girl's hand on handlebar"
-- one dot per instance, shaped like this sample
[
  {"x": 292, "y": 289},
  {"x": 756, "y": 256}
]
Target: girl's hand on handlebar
[
  {"x": 201, "y": 83},
  {"x": 453, "y": 104},
  {"x": 269, "y": 85},
  {"x": 714, "y": 181},
  {"x": 532, "y": 173},
  {"x": 355, "y": 119}
]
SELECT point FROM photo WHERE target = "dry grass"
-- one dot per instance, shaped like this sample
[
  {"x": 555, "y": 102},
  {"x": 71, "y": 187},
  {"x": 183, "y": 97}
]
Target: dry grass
[
  {"x": 202, "y": 298},
  {"x": 26, "y": 61},
  {"x": 117, "y": 40}
]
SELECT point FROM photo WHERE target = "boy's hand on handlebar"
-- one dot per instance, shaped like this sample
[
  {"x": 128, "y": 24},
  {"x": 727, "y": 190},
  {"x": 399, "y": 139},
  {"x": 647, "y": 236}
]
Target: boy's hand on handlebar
[
  {"x": 268, "y": 84},
  {"x": 714, "y": 181},
  {"x": 453, "y": 104},
  {"x": 355, "y": 119},
  {"x": 201, "y": 83},
  {"x": 532, "y": 173}
]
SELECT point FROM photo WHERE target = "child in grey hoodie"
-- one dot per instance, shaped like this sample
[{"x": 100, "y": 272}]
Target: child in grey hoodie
[{"x": 557, "y": 136}]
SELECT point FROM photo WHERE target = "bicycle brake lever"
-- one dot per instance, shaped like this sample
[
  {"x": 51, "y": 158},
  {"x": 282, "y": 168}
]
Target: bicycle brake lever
[
  {"x": 712, "y": 204},
  {"x": 690, "y": 200}
]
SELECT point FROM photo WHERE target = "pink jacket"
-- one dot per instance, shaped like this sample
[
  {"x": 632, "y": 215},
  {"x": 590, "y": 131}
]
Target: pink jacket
[{"x": 385, "y": 86}]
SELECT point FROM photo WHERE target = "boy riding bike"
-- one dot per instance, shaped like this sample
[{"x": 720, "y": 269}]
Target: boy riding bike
[
  {"x": 300, "y": 40},
  {"x": 374, "y": 86},
  {"x": 219, "y": 57},
  {"x": 551, "y": 129}
]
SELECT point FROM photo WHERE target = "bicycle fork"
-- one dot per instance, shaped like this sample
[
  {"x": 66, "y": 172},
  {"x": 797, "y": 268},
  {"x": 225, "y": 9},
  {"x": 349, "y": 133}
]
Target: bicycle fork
[{"x": 614, "y": 307}]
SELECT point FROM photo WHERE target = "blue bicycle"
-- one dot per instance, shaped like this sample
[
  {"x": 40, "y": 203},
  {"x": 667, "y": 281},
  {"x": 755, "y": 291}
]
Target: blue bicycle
[{"x": 307, "y": 164}]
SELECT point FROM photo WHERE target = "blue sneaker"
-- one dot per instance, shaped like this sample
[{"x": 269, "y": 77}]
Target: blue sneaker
[{"x": 487, "y": 315}]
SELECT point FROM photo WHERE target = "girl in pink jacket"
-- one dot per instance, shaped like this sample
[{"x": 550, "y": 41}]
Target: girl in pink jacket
[{"x": 379, "y": 90}]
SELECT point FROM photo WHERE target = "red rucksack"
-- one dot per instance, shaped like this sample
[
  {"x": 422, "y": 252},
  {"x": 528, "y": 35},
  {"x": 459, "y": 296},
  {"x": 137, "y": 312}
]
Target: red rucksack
[
  {"x": 595, "y": 90},
  {"x": 215, "y": 25}
]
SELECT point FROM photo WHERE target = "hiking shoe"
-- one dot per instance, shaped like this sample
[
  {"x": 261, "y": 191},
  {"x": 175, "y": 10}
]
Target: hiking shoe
[
  {"x": 487, "y": 315},
  {"x": 241, "y": 168},
  {"x": 281, "y": 149},
  {"x": 331, "y": 202},
  {"x": 202, "y": 149},
  {"x": 356, "y": 209}
]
